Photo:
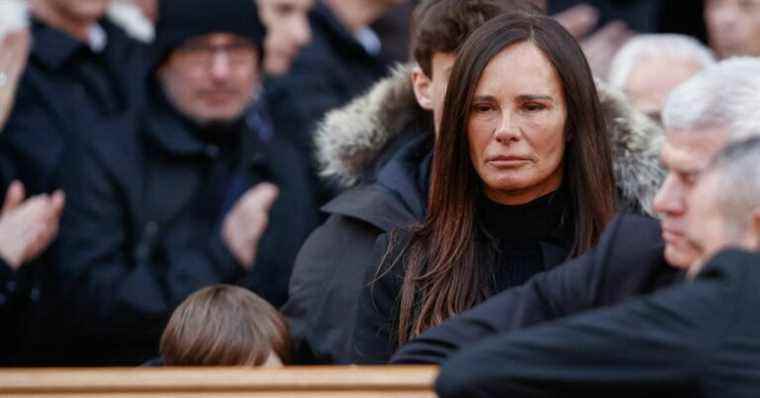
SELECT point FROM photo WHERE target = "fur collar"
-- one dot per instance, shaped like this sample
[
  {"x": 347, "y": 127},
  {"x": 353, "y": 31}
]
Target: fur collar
[{"x": 350, "y": 139}]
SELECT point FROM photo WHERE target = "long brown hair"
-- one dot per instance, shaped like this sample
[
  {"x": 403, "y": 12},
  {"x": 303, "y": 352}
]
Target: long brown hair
[{"x": 443, "y": 274}]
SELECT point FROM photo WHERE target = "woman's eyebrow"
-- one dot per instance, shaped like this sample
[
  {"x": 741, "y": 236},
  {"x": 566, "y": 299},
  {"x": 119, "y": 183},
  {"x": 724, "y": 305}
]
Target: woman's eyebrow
[{"x": 534, "y": 97}]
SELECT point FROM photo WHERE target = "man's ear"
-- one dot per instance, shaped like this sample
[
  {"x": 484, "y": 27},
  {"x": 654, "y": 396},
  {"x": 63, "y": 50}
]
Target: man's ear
[{"x": 422, "y": 88}]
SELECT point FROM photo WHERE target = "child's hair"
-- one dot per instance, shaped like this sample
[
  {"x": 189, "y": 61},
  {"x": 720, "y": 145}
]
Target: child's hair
[{"x": 224, "y": 325}]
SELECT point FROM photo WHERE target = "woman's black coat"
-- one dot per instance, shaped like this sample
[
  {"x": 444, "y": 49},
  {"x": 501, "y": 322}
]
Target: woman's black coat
[{"x": 627, "y": 262}]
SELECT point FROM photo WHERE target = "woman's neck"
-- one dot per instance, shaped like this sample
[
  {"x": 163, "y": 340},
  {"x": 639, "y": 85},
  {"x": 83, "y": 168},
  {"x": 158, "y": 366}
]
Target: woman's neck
[{"x": 522, "y": 196}]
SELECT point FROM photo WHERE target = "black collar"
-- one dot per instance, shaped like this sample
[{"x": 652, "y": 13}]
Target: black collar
[
  {"x": 178, "y": 137},
  {"x": 545, "y": 218},
  {"x": 54, "y": 48}
]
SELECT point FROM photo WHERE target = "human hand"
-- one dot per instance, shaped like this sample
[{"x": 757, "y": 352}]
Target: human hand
[
  {"x": 601, "y": 46},
  {"x": 246, "y": 222},
  {"x": 14, "y": 53},
  {"x": 579, "y": 20},
  {"x": 28, "y": 227}
]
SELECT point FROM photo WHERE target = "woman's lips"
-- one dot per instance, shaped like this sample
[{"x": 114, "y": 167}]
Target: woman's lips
[{"x": 507, "y": 161}]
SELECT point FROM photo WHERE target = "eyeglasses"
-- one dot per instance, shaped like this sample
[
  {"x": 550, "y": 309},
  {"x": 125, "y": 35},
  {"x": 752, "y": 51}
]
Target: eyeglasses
[{"x": 203, "y": 55}]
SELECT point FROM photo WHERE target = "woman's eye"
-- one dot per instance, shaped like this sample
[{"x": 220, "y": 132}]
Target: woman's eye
[
  {"x": 533, "y": 106},
  {"x": 482, "y": 108}
]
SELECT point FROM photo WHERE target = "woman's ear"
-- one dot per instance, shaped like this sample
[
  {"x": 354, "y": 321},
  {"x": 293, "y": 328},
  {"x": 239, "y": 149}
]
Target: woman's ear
[{"x": 422, "y": 86}]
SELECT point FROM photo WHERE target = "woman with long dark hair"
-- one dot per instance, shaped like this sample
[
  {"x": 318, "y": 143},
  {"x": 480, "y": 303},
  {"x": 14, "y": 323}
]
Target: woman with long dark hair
[{"x": 522, "y": 179}]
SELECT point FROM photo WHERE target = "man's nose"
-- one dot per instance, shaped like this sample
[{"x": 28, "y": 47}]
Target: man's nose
[
  {"x": 220, "y": 65},
  {"x": 670, "y": 199},
  {"x": 302, "y": 32}
]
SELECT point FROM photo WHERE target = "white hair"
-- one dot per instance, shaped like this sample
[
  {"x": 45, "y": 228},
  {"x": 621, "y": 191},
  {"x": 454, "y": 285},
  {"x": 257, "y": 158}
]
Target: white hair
[
  {"x": 738, "y": 190},
  {"x": 656, "y": 46},
  {"x": 726, "y": 94}
]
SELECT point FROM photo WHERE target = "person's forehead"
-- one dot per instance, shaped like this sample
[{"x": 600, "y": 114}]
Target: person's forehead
[
  {"x": 692, "y": 150},
  {"x": 660, "y": 75},
  {"x": 218, "y": 38},
  {"x": 520, "y": 58}
]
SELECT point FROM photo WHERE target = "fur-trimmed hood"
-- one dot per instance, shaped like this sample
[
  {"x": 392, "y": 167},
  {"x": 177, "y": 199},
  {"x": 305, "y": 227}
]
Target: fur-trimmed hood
[{"x": 350, "y": 140}]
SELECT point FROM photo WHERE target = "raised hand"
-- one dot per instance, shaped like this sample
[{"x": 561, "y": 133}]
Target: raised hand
[
  {"x": 247, "y": 221},
  {"x": 28, "y": 227}
]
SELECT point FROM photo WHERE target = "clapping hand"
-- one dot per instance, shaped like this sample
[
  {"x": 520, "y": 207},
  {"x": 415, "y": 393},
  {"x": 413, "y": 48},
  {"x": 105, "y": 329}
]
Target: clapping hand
[
  {"x": 27, "y": 227},
  {"x": 246, "y": 222}
]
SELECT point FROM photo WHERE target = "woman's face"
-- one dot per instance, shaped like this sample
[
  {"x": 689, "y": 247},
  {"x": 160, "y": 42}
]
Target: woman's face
[{"x": 516, "y": 126}]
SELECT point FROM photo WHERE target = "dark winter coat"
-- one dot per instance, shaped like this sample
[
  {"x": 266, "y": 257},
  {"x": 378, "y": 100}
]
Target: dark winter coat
[
  {"x": 696, "y": 339},
  {"x": 332, "y": 70},
  {"x": 355, "y": 142},
  {"x": 628, "y": 261},
  {"x": 507, "y": 257},
  {"x": 65, "y": 90},
  {"x": 141, "y": 229}
]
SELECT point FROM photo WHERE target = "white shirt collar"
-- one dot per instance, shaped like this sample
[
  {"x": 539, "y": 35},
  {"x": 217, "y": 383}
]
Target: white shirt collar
[{"x": 98, "y": 39}]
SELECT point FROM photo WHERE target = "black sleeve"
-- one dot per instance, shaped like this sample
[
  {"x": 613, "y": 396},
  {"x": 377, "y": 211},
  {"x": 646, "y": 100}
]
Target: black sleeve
[
  {"x": 110, "y": 270},
  {"x": 618, "y": 267},
  {"x": 652, "y": 346},
  {"x": 327, "y": 280},
  {"x": 7, "y": 288},
  {"x": 30, "y": 142},
  {"x": 373, "y": 341}
]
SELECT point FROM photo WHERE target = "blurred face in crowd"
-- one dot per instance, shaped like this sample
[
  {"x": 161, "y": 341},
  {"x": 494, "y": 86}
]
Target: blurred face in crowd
[
  {"x": 211, "y": 78},
  {"x": 516, "y": 126},
  {"x": 149, "y": 8},
  {"x": 431, "y": 92},
  {"x": 652, "y": 80},
  {"x": 685, "y": 154},
  {"x": 709, "y": 228},
  {"x": 733, "y": 26},
  {"x": 287, "y": 23},
  {"x": 82, "y": 11}
]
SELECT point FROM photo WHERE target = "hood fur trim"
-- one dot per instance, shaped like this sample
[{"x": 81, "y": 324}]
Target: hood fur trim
[
  {"x": 350, "y": 139},
  {"x": 636, "y": 143}
]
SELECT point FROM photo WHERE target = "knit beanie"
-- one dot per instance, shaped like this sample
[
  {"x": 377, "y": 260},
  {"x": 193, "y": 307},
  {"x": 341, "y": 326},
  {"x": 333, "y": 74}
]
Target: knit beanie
[{"x": 180, "y": 20}]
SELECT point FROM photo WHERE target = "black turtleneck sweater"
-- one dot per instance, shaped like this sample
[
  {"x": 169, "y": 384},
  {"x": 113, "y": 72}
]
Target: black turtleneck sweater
[
  {"x": 514, "y": 243},
  {"x": 520, "y": 241}
]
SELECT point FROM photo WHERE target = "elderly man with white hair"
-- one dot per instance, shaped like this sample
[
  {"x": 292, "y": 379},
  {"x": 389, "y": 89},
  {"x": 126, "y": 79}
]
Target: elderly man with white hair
[
  {"x": 635, "y": 347},
  {"x": 648, "y": 67}
]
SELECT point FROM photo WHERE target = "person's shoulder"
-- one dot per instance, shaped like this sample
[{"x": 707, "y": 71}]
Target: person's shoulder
[{"x": 634, "y": 230}]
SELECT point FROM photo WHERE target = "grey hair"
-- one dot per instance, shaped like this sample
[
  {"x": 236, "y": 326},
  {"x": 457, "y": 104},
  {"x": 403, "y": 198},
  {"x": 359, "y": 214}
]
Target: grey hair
[
  {"x": 656, "y": 46},
  {"x": 738, "y": 191},
  {"x": 726, "y": 94}
]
